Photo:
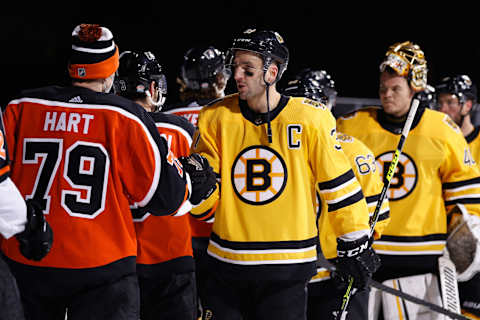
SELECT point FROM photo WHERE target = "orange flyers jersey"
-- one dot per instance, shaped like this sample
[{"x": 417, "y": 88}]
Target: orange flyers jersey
[
  {"x": 162, "y": 239},
  {"x": 86, "y": 157},
  {"x": 4, "y": 167},
  {"x": 189, "y": 112}
]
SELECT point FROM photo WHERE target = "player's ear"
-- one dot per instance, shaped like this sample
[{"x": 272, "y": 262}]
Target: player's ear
[
  {"x": 272, "y": 72},
  {"x": 152, "y": 88},
  {"x": 466, "y": 108}
]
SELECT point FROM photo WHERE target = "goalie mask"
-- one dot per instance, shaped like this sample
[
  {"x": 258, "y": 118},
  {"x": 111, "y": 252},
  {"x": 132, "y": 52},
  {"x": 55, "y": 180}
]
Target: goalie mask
[
  {"x": 136, "y": 72},
  {"x": 463, "y": 243},
  {"x": 407, "y": 60},
  {"x": 317, "y": 85},
  {"x": 268, "y": 44},
  {"x": 201, "y": 66}
]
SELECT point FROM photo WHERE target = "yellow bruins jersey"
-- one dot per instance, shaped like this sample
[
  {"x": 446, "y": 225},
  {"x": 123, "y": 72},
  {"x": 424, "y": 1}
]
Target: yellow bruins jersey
[
  {"x": 434, "y": 173},
  {"x": 362, "y": 161},
  {"x": 266, "y": 215},
  {"x": 473, "y": 140}
]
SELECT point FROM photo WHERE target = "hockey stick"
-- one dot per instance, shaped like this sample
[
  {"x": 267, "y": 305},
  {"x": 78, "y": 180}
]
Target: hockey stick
[
  {"x": 372, "y": 283},
  {"x": 383, "y": 195},
  {"x": 416, "y": 300},
  {"x": 449, "y": 285}
]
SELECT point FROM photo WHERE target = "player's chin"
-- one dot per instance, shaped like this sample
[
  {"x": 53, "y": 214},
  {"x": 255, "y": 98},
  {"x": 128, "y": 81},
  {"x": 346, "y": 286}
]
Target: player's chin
[
  {"x": 388, "y": 107},
  {"x": 242, "y": 94}
]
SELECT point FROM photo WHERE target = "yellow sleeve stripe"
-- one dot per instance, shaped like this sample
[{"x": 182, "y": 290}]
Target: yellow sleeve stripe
[
  {"x": 259, "y": 257},
  {"x": 418, "y": 248}
]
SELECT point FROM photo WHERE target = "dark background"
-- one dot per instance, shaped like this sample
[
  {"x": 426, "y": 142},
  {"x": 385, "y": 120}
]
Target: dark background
[{"x": 346, "y": 40}]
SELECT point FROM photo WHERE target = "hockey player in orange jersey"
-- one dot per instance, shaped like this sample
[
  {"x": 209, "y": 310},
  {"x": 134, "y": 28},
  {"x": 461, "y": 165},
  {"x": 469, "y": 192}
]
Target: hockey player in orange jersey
[
  {"x": 165, "y": 265},
  {"x": 85, "y": 156}
]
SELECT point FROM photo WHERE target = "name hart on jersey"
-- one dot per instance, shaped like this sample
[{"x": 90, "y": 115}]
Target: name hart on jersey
[{"x": 67, "y": 121}]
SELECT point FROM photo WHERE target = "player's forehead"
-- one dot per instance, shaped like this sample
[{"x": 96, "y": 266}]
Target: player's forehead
[
  {"x": 389, "y": 80},
  {"x": 445, "y": 96},
  {"x": 247, "y": 57}
]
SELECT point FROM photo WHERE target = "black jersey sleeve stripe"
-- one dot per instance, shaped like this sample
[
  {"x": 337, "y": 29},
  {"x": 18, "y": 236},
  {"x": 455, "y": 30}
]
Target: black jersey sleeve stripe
[
  {"x": 347, "y": 176},
  {"x": 430, "y": 237},
  {"x": 346, "y": 202},
  {"x": 384, "y": 216},
  {"x": 463, "y": 201},
  {"x": 372, "y": 199},
  {"x": 264, "y": 245},
  {"x": 458, "y": 184}
]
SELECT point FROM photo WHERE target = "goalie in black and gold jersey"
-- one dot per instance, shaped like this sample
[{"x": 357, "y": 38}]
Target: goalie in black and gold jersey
[
  {"x": 434, "y": 174},
  {"x": 270, "y": 151}
]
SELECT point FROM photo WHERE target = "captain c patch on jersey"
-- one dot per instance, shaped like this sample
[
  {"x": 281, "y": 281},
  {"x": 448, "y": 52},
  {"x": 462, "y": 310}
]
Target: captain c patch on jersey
[{"x": 259, "y": 175}]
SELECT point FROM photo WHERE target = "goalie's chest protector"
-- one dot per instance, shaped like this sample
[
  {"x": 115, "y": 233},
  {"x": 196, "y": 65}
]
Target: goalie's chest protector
[{"x": 433, "y": 156}]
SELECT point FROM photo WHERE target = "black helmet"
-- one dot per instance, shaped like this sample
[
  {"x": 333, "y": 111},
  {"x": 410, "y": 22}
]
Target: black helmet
[
  {"x": 302, "y": 88},
  {"x": 135, "y": 73},
  {"x": 317, "y": 85},
  {"x": 201, "y": 66},
  {"x": 460, "y": 85},
  {"x": 427, "y": 97},
  {"x": 269, "y": 44}
]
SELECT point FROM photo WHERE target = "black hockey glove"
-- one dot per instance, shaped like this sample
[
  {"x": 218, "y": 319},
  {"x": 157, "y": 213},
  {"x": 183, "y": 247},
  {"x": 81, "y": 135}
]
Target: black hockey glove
[
  {"x": 357, "y": 259},
  {"x": 204, "y": 181},
  {"x": 37, "y": 238}
]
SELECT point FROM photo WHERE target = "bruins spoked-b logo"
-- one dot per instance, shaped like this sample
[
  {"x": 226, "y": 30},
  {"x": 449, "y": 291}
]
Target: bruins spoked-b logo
[
  {"x": 404, "y": 178},
  {"x": 259, "y": 175}
]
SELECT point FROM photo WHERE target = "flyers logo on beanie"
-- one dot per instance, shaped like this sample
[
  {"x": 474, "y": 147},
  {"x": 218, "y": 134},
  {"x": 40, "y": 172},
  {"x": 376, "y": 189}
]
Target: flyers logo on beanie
[{"x": 259, "y": 175}]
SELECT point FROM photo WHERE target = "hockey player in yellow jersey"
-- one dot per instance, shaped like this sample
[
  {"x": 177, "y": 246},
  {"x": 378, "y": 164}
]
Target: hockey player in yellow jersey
[
  {"x": 432, "y": 177},
  {"x": 324, "y": 293},
  {"x": 270, "y": 151},
  {"x": 457, "y": 97}
]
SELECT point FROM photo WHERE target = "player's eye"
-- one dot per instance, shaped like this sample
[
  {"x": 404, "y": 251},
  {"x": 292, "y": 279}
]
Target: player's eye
[{"x": 246, "y": 69}]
